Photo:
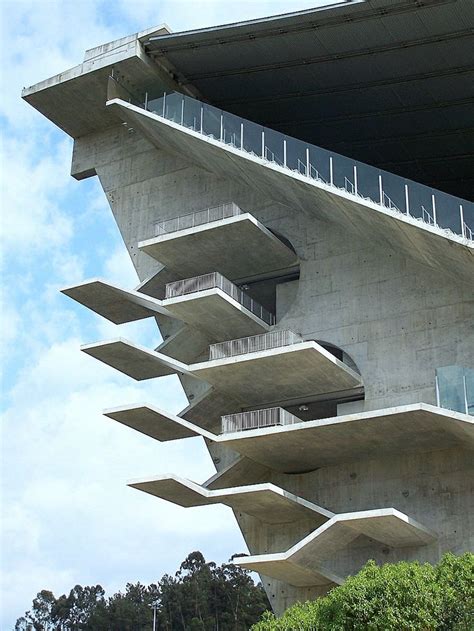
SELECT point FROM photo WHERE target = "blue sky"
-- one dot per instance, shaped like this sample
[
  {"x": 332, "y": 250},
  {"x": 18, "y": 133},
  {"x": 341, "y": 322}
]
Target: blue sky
[{"x": 68, "y": 516}]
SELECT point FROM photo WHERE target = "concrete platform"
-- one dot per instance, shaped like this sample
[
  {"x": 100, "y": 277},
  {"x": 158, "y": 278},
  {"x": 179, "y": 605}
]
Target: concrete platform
[
  {"x": 386, "y": 525},
  {"x": 135, "y": 361},
  {"x": 216, "y": 314},
  {"x": 155, "y": 423},
  {"x": 266, "y": 502},
  {"x": 240, "y": 470},
  {"x": 237, "y": 247},
  {"x": 288, "y": 372},
  {"x": 113, "y": 303},
  {"x": 439, "y": 249},
  {"x": 312, "y": 444}
]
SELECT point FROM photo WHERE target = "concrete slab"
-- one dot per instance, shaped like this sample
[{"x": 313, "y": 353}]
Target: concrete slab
[
  {"x": 155, "y": 423},
  {"x": 309, "y": 445},
  {"x": 266, "y": 502},
  {"x": 241, "y": 469},
  {"x": 430, "y": 245},
  {"x": 135, "y": 361},
  {"x": 386, "y": 525},
  {"x": 297, "y": 371},
  {"x": 236, "y": 247},
  {"x": 215, "y": 313},
  {"x": 113, "y": 303}
]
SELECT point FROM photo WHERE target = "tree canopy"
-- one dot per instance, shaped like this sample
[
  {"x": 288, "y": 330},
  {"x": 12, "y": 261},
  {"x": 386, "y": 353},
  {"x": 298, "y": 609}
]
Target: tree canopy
[
  {"x": 200, "y": 596},
  {"x": 406, "y": 596}
]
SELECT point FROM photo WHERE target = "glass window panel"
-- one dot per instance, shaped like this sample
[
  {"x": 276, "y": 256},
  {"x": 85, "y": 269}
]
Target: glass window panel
[
  {"x": 192, "y": 113},
  {"x": 211, "y": 121},
  {"x": 231, "y": 129},
  {"x": 253, "y": 138}
]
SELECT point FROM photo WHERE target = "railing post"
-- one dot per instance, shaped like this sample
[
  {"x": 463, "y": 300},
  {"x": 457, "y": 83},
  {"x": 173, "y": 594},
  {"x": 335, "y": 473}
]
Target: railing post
[
  {"x": 355, "y": 180},
  {"x": 407, "y": 201},
  {"x": 461, "y": 215},
  {"x": 331, "y": 172},
  {"x": 263, "y": 143},
  {"x": 307, "y": 162},
  {"x": 182, "y": 111},
  {"x": 222, "y": 126},
  {"x": 241, "y": 135},
  {"x": 202, "y": 118},
  {"x": 284, "y": 153},
  {"x": 146, "y": 100},
  {"x": 164, "y": 104},
  {"x": 433, "y": 205},
  {"x": 381, "y": 190}
]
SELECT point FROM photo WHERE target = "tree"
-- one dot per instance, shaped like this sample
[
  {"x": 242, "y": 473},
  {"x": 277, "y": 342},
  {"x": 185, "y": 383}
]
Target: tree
[{"x": 402, "y": 596}]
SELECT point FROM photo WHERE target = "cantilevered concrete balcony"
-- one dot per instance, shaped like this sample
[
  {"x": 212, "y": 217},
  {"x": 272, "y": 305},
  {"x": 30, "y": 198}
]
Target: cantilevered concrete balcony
[
  {"x": 301, "y": 564},
  {"x": 403, "y": 215},
  {"x": 279, "y": 441},
  {"x": 274, "y": 366},
  {"x": 233, "y": 243},
  {"x": 266, "y": 502}
]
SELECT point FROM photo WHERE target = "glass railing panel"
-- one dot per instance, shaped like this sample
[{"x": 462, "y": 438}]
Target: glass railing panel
[
  {"x": 232, "y": 127},
  {"x": 192, "y": 114},
  {"x": 319, "y": 164},
  {"x": 343, "y": 173},
  {"x": 297, "y": 155},
  {"x": 367, "y": 182},
  {"x": 174, "y": 105},
  {"x": 211, "y": 121},
  {"x": 420, "y": 202},
  {"x": 455, "y": 388},
  {"x": 469, "y": 386},
  {"x": 448, "y": 213},
  {"x": 274, "y": 147},
  {"x": 156, "y": 105},
  {"x": 252, "y": 138},
  {"x": 392, "y": 192}
]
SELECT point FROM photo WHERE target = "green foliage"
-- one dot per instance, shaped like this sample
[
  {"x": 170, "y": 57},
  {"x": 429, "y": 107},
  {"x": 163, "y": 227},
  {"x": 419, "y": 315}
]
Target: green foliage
[
  {"x": 199, "y": 597},
  {"x": 402, "y": 596}
]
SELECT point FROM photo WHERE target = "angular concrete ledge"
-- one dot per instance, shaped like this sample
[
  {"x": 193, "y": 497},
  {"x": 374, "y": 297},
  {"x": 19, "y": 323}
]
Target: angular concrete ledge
[
  {"x": 236, "y": 247},
  {"x": 386, "y": 525},
  {"x": 312, "y": 444},
  {"x": 240, "y": 470},
  {"x": 266, "y": 502},
  {"x": 216, "y": 314},
  {"x": 113, "y": 303},
  {"x": 288, "y": 372},
  {"x": 135, "y": 361},
  {"x": 156, "y": 423}
]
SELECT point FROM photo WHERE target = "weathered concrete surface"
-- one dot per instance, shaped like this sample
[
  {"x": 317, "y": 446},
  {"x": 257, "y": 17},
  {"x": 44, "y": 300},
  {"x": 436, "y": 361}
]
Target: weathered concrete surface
[
  {"x": 386, "y": 525},
  {"x": 266, "y": 502},
  {"x": 116, "y": 304},
  {"x": 313, "y": 444},
  {"x": 155, "y": 423},
  {"x": 238, "y": 247},
  {"x": 424, "y": 243}
]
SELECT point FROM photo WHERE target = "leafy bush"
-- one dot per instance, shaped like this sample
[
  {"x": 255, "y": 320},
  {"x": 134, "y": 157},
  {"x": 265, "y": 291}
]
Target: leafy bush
[{"x": 403, "y": 596}]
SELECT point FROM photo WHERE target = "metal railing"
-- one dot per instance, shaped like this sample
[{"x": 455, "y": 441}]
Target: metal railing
[
  {"x": 357, "y": 179},
  {"x": 197, "y": 218},
  {"x": 257, "y": 419},
  {"x": 253, "y": 344},
  {"x": 216, "y": 280}
]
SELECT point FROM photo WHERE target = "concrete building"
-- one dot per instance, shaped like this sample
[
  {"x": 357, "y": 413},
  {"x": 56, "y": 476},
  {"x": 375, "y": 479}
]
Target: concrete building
[{"x": 317, "y": 310}]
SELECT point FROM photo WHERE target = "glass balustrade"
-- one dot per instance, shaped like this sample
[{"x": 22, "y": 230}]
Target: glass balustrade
[{"x": 359, "y": 180}]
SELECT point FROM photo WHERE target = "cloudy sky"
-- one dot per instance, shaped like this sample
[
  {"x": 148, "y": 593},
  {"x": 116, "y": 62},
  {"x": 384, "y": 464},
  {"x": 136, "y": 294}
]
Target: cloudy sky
[{"x": 68, "y": 516}]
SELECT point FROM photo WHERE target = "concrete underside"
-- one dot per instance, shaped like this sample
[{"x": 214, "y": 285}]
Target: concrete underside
[
  {"x": 238, "y": 247},
  {"x": 388, "y": 526},
  {"x": 265, "y": 502},
  {"x": 421, "y": 242}
]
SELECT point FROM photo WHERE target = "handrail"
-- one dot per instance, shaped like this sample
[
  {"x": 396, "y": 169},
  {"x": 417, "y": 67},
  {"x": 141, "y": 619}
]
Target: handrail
[
  {"x": 256, "y": 419},
  {"x": 253, "y": 344},
  {"x": 196, "y": 218}
]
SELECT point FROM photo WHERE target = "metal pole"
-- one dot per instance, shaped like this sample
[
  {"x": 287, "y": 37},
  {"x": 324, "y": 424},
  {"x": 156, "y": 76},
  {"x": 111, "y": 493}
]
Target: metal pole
[
  {"x": 307, "y": 162},
  {"x": 202, "y": 118},
  {"x": 241, "y": 135},
  {"x": 433, "y": 204},
  {"x": 355, "y": 180},
  {"x": 466, "y": 405},
  {"x": 407, "y": 201},
  {"x": 222, "y": 125},
  {"x": 182, "y": 111},
  {"x": 331, "y": 172},
  {"x": 381, "y": 190},
  {"x": 284, "y": 153},
  {"x": 146, "y": 100},
  {"x": 164, "y": 104},
  {"x": 263, "y": 144},
  {"x": 154, "y": 618},
  {"x": 461, "y": 214}
]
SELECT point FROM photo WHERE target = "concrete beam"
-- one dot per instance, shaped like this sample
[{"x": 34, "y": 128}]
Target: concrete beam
[
  {"x": 113, "y": 303},
  {"x": 156, "y": 423},
  {"x": 439, "y": 249},
  {"x": 267, "y": 502},
  {"x": 387, "y": 525},
  {"x": 236, "y": 247},
  {"x": 135, "y": 361},
  {"x": 312, "y": 444}
]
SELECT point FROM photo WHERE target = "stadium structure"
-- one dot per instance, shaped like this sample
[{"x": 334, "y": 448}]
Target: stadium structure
[{"x": 295, "y": 194}]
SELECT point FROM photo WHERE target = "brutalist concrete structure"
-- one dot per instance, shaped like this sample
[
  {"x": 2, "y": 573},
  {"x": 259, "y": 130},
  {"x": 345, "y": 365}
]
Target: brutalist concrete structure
[{"x": 317, "y": 310}]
